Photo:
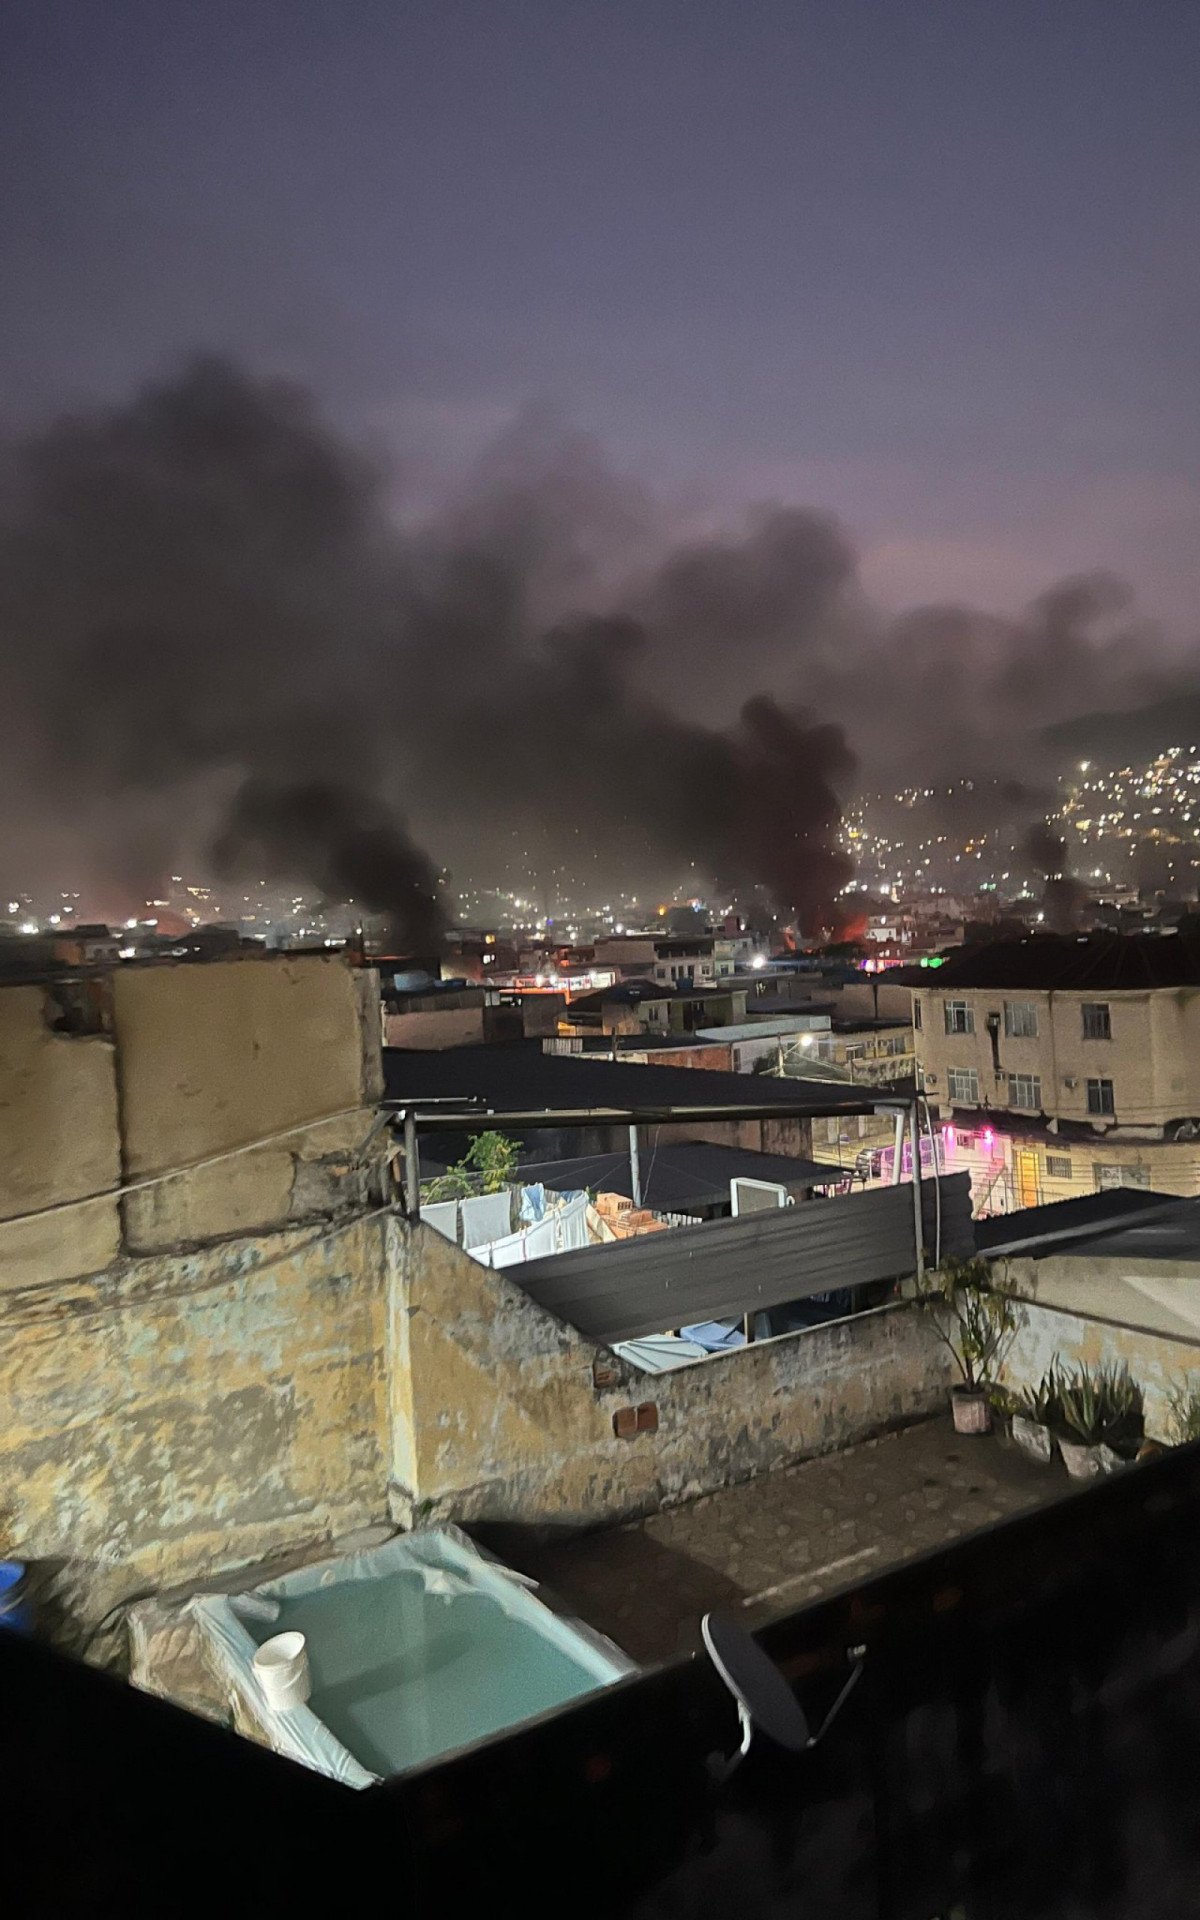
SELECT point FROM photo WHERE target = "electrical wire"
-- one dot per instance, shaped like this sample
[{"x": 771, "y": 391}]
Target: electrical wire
[{"x": 188, "y": 1167}]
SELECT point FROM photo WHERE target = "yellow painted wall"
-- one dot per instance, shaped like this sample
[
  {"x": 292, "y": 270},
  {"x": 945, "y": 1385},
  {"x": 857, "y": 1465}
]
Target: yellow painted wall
[
  {"x": 177, "y": 1415},
  {"x": 58, "y": 1141}
]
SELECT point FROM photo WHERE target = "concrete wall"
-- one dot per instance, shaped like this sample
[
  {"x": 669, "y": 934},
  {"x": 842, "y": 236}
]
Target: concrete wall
[
  {"x": 498, "y": 1416},
  {"x": 180, "y": 1414},
  {"x": 58, "y": 1141},
  {"x": 194, "y": 1060},
  {"x": 1161, "y": 1296},
  {"x": 1048, "y": 1335},
  {"x": 434, "y": 1028}
]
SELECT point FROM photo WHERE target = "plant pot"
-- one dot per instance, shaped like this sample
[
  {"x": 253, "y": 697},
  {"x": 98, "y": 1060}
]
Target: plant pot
[
  {"x": 1082, "y": 1463},
  {"x": 972, "y": 1413},
  {"x": 1033, "y": 1439}
]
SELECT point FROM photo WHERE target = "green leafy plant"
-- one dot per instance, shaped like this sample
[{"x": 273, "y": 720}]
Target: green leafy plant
[
  {"x": 974, "y": 1313},
  {"x": 1185, "y": 1413},
  {"x": 488, "y": 1166}
]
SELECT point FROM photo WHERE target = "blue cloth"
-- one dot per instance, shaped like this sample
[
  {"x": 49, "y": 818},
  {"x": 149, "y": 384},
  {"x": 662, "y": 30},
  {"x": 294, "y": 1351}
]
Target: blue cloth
[
  {"x": 715, "y": 1336},
  {"x": 533, "y": 1203}
]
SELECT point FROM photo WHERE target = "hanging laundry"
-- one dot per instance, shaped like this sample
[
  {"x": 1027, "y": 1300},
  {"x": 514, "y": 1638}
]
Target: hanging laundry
[
  {"x": 442, "y": 1216},
  {"x": 486, "y": 1216}
]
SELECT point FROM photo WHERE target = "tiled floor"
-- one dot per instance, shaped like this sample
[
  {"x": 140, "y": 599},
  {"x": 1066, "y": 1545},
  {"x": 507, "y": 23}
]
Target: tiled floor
[{"x": 773, "y": 1543}]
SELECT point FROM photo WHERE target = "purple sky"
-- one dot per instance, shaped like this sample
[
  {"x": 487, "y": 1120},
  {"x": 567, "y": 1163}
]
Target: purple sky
[{"x": 931, "y": 265}]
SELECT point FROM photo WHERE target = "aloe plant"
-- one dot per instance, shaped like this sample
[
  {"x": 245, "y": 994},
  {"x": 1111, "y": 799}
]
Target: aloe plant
[
  {"x": 1185, "y": 1413},
  {"x": 1082, "y": 1409},
  {"x": 1043, "y": 1404},
  {"x": 1123, "y": 1408},
  {"x": 1102, "y": 1407}
]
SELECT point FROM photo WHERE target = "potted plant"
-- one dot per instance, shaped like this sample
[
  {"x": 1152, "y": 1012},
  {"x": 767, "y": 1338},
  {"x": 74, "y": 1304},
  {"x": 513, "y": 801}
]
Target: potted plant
[
  {"x": 1124, "y": 1417},
  {"x": 1185, "y": 1414},
  {"x": 974, "y": 1314},
  {"x": 1038, "y": 1414},
  {"x": 1082, "y": 1416}
]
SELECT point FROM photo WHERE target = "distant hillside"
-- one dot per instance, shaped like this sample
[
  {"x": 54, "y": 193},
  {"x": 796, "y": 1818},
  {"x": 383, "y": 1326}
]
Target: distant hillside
[{"x": 1117, "y": 738}]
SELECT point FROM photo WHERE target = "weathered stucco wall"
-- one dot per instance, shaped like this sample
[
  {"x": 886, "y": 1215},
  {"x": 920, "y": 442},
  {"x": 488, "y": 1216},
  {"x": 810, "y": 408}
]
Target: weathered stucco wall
[
  {"x": 497, "y": 1415},
  {"x": 189, "y": 1061},
  {"x": 1159, "y": 1295},
  {"x": 58, "y": 1141},
  {"x": 175, "y": 1415},
  {"x": 1048, "y": 1336},
  {"x": 214, "y": 1057}
]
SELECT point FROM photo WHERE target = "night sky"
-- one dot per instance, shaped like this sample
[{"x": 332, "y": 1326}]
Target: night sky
[{"x": 929, "y": 268}]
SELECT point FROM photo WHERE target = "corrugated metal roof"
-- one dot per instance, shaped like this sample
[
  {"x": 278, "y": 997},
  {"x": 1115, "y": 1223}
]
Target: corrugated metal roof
[{"x": 734, "y": 1267}]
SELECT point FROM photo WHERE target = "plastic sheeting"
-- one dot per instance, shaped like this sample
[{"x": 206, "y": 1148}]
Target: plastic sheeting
[{"x": 451, "y": 1563}]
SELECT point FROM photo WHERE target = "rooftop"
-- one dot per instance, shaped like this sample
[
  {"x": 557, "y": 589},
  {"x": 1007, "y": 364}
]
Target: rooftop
[
  {"x": 784, "y": 1539},
  {"x": 520, "y": 1079},
  {"x": 683, "y": 1176},
  {"x": 1059, "y": 963}
]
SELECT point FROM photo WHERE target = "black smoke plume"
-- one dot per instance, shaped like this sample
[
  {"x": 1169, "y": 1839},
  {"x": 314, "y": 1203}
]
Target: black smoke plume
[
  {"x": 1063, "y": 896},
  {"x": 219, "y": 630}
]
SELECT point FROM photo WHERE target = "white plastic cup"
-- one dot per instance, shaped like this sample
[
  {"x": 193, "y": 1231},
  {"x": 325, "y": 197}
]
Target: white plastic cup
[{"x": 281, "y": 1669}]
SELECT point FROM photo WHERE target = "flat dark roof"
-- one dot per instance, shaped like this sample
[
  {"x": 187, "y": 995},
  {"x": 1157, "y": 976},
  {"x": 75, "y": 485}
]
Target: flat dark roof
[
  {"x": 1089, "y": 1219},
  {"x": 520, "y": 1079},
  {"x": 1048, "y": 962},
  {"x": 682, "y": 1176}
]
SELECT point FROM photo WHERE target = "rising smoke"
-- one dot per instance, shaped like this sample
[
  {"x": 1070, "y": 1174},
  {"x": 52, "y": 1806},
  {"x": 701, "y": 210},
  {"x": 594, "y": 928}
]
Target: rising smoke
[{"x": 212, "y": 612}]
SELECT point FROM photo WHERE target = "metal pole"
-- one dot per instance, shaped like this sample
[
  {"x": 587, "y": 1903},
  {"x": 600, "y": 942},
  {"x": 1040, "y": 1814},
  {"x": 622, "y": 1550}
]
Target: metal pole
[
  {"x": 412, "y": 1168},
  {"x": 898, "y": 1149},
  {"x": 635, "y": 1167},
  {"x": 918, "y": 1223}
]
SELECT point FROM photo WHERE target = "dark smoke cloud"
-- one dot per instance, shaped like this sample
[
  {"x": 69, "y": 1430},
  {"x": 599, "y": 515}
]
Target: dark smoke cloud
[
  {"x": 1063, "y": 896},
  {"x": 215, "y": 632}
]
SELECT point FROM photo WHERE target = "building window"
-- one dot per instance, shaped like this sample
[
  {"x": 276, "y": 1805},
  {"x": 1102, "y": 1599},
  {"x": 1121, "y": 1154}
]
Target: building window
[
  {"x": 964, "y": 1085},
  {"x": 1058, "y": 1167},
  {"x": 1025, "y": 1090},
  {"x": 917, "y": 1015},
  {"x": 960, "y": 1018},
  {"x": 1120, "y": 1176},
  {"x": 1020, "y": 1019},
  {"x": 1100, "y": 1095},
  {"x": 1097, "y": 1024}
]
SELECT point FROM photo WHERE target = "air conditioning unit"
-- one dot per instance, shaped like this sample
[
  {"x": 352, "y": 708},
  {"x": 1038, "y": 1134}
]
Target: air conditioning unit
[
  {"x": 1069, "y": 1080},
  {"x": 754, "y": 1196}
]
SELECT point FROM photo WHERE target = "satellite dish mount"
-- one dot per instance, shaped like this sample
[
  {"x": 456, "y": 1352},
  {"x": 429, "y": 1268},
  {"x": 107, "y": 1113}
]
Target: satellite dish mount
[{"x": 765, "y": 1702}]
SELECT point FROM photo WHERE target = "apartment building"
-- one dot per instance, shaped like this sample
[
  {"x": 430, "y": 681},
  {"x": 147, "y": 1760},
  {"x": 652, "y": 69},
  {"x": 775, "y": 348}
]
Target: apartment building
[{"x": 1065, "y": 1065}]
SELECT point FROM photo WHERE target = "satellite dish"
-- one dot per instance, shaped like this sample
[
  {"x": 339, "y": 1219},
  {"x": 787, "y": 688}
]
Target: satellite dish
[{"x": 764, "y": 1699}]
